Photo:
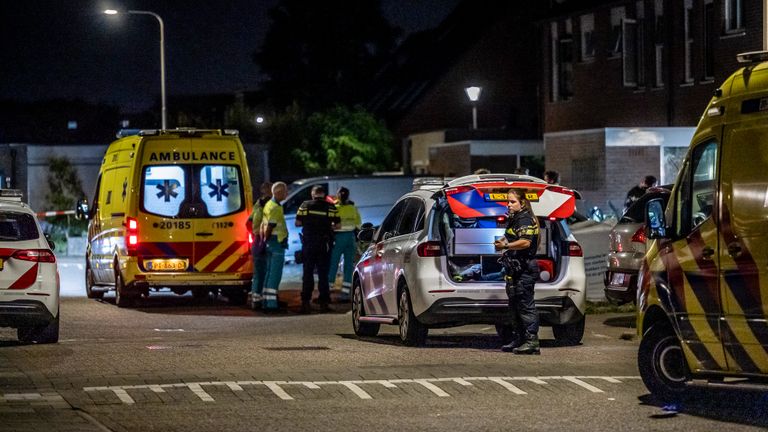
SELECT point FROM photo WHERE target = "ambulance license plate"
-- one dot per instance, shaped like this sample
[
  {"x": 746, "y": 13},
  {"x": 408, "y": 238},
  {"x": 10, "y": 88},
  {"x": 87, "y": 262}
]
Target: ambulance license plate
[
  {"x": 496, "y": 197},
  {"x": 1, "y": 264},
  {"x": 174, "y": 264},
  {"x": 618, "y": 279}
]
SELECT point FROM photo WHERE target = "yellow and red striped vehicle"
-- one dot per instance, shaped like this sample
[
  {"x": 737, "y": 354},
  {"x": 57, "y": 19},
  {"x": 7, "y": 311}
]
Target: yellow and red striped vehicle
[
  {"x": 703, "y": 286},
  {"x": 169, "y": 211}
]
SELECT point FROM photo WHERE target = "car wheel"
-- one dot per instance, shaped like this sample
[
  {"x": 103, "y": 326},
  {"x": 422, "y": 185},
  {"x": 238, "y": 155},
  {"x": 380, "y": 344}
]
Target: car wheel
[
  {"x": 122, "y": 298},
  {"x": 358, "y": 310},
  {"x": 569, "y": 334},
  {"x": 43, "y": 334},
  {"x": 662, "y": 362},
  {"x": 506, "y": 332},
  {"x": 412, "y": 332},
  {"x": 89, "y": 291}
]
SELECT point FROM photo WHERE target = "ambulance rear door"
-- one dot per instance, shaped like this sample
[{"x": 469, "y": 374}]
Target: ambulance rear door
[{"x": 744, "y": 242}]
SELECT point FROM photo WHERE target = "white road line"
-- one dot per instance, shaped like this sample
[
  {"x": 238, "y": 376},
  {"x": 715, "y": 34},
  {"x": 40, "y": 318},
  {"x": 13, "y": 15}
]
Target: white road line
[
  {"x": 433, "y": 388},
  {"x": 353, "y": 386},
  {"x": 581, "y": 383},
  {"x": 362, "y": 394},
  {"x": 277, "y": 390},
  {"x": 123, "y": 396},
  {"x": 509, "y": 386},
  {"x": 198, "y": 390}
]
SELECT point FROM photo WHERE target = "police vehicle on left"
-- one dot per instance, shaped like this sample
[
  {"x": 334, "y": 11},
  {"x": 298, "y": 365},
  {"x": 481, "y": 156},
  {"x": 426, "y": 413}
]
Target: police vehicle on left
[{"x": 29, "y": 277}]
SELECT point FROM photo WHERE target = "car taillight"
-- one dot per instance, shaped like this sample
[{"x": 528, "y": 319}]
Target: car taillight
[
  {"x": 250, "y": 238},
  {"x": 132, "y": 236},
  {"x": 458, "y": 189},
  {"x": 429, "y": 249},
  {"x": 35, "y": 255},
  {"x": 639, "y": 236},
  {"x": 574, "y": 249}
]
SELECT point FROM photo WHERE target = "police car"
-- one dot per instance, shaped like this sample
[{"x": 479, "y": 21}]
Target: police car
[
  {"x": 29, "y": 278},
  {"x": 432, "y": 264}
]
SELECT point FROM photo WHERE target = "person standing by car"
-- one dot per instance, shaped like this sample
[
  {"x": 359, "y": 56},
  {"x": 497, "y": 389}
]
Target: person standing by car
[
  {"x": 318, "y": 218},
  {"x": 344, "y": 242},
  {"x": 519, "y": 245},
  {"x": 636, "y": 192},
  {"x": 552, "y": 177},
  {"x": 259, "y": 245},
  {"x": 275, "y": 232}
]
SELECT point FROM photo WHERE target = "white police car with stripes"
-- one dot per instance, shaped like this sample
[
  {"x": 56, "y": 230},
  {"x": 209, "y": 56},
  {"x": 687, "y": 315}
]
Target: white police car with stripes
[
  {"x": 29, "y": 279},
  {"x": 432, "y": 264}
]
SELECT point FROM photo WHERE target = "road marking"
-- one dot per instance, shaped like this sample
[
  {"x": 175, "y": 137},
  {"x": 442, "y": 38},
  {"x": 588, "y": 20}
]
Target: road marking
[{"x": 354, "y": 386}]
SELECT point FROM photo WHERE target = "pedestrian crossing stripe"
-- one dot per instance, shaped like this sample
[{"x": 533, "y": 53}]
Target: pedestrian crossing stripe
[{"x": 355, "y": 386}]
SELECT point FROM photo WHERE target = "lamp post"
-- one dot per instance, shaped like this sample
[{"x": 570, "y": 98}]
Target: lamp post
[
  {"x": 473, "y": 93},
  {"x": 163, "y": 116}
]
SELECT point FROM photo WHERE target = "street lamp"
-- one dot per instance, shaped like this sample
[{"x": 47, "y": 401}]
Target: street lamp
[
  {"x": 473, "y": 93},
  {"x": 163, "y": 116}
]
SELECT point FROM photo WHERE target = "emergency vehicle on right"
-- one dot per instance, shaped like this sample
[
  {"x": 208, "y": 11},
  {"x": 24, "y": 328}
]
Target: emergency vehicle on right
[{"x": 703, "y": 286}]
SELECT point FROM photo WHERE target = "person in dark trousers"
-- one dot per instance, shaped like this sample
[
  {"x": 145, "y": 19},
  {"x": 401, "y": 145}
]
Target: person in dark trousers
[
  {"x": 259, "y": 251},
  {"x": 519, "y": 245},
  {"x": 636, "y": 192},
  {"x": 552, "y": 177},
  {"x": 318, "y": 218}
]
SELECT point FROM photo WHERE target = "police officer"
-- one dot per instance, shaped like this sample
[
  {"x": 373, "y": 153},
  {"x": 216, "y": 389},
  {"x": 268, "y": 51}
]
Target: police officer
[
  {"x": 345, "y": 242},
  {"x": 259, "y": 245},
  {"x": 274, "y": 230},
  {"x": 318, "y": 218},
  {"x": 519, "y": 244}
]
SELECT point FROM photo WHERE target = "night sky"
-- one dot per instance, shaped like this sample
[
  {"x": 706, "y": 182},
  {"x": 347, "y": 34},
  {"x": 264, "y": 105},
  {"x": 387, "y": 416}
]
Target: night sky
[{"x": 69, "y": 49}]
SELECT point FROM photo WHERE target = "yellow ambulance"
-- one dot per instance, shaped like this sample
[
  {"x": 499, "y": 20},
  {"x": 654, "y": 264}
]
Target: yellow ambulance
[
  {"x": 703, "y": 288},
  {"x": 169, "y": 211}
]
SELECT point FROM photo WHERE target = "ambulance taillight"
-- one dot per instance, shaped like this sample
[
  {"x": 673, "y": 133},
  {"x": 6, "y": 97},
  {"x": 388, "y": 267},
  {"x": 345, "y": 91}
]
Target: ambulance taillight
[{"x": 132, "y": 236}]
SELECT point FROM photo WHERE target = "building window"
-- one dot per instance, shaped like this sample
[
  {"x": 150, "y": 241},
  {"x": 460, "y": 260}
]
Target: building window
[
  {"x": 658, "y": 38},
  {"x": 587, "y": 29},
  {"x": 633, "y": 49},
  {"x": 562, "y": 61},
  {"x": 617, "y": 15},
  {"x": 688, "y": 38},
  {"x": 709, "y": 33},
  {"x": 732, "y": 14}
]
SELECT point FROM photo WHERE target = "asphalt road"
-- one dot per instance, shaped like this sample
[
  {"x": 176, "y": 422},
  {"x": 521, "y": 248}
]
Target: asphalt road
[{"x": 176, "y": 364}]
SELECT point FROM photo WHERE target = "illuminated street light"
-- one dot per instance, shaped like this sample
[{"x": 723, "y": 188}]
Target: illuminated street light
[
  {"x": 164, "y": 123},
  {"x": 473, "y": 93}
]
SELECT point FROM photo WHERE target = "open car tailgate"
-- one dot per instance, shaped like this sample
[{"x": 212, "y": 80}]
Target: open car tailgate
[{"x": 490, "y": 199}]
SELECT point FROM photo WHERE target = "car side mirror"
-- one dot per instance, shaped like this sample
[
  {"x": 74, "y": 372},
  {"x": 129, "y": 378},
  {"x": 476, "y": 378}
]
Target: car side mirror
[
  {"x": 51, "y": 244},
  {"x": 81, "y": 209},
  {"x": 366, "y": 234},
  {"x": 655, "y": 222}
]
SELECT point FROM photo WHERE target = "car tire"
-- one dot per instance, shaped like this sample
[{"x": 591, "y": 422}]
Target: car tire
[
  {"x": 412, "y": 332},
  {"x": 122, "y": 298},
  {"x": 42, "y": 335},
  {"x": 358, "y": 310},
  {"x": 662, "y": 364},
  {"x": 89, "y": 291},
  {"x": 569, "y": 334},
  {"x": 506, "y": 332}
]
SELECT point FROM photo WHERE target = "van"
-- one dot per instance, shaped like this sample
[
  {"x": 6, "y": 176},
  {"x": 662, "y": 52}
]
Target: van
[
  {"x": 373, "y": 196},
  {"x": 169, "y": 211},
  {"x": 703, "y": 287}
]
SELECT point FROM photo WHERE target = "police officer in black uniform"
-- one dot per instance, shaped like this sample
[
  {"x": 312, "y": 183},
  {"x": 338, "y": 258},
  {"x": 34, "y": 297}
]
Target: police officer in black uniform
[
  {"x": 519, "y": 244},
  {"x": 318, "y": 218}
]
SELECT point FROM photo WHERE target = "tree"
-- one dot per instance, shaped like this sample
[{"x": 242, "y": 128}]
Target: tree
[
  {"x": 345, "y": 141},
  {"x": 64, "y": 189},
  {"x": 320, "y": 54}
]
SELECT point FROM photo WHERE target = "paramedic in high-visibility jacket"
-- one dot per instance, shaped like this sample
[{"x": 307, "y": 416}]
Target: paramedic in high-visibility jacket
[{"x": 345, "y": 242}]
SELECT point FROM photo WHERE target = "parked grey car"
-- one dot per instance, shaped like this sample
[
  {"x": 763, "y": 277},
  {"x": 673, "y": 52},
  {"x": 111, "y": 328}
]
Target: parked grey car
[{"x": 627, "y": 248}]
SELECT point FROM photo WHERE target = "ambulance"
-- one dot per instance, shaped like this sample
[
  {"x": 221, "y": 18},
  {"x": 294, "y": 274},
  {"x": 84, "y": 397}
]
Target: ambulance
[
  {"x": 703, "y": 286},
  {"x": 169, "y": 211}
]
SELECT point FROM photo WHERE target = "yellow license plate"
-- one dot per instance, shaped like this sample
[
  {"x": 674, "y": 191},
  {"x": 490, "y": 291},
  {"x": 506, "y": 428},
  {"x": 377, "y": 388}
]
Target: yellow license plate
[
  {"x": 1, "y": 264},
  {"x": 532, "y": 196},
  {"x": 166, "y": 264},
  {"x": 497, "y": 197}
]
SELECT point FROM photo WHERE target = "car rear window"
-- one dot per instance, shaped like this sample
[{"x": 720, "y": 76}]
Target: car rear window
[{"x": 16, "y": 226}]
